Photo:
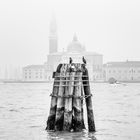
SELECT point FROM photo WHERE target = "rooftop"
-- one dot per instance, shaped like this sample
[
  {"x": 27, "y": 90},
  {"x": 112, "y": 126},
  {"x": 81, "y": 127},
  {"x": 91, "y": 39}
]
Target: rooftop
[
  {"x": 123, "y": 64},
  {"x": 34, "y": 67}
]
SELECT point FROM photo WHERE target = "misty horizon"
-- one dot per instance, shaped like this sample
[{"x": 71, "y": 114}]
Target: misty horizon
[{"x": 109, "y": 28}]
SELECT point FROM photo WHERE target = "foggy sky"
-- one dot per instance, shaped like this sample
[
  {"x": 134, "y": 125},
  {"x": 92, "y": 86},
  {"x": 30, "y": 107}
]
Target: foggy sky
[{"x": 109, "y": 27}]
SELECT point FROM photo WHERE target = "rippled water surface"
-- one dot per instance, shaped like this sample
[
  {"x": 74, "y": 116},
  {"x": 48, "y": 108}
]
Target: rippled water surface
[{"x": 24, "y": 109}]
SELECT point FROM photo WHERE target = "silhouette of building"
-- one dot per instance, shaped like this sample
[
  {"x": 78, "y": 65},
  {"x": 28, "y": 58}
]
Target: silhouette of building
[
  {"x": 75, "y": 50},
  {"x": 34, "y": 73},
  {"x": 122, "y": 71}
]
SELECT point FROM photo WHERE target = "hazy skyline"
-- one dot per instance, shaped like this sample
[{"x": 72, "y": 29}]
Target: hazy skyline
[{"x": 111, "y": 28}]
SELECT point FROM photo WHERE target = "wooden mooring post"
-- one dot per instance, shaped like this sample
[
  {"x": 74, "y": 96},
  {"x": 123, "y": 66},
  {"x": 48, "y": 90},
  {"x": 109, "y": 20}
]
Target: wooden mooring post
[
  {"x": 77, "y": 101},
  {"x": 71, "y": 86},
  {"x": 60, "y": 101},
  {"x": 68, "y": 101},
  {"x": 54, "y": 94},
  {"x": 90, "y": 115}
]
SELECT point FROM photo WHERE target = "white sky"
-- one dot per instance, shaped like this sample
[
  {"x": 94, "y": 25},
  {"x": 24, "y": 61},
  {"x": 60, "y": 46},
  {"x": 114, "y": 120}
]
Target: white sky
[{"x": 109, "y": 27}]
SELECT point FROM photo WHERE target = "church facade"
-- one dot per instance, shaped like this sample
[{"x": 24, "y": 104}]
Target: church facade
[{"x": 75, "y": 50}]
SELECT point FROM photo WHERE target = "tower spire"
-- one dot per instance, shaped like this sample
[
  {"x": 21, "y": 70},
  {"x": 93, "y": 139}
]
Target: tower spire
[
  {"x": 75, "y": 37},
  {"x": 53, "y": 35}
]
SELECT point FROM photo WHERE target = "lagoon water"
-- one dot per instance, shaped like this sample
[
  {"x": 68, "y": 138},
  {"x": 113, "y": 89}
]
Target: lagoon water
[{"x": 24, "y": 109}]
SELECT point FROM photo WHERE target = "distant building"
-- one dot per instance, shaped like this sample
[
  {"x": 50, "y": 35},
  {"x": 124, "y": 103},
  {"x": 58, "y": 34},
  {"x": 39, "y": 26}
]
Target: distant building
[
  {"x": 34, "y": 73},
  {"x": 75, "y": 50},
  {"x": 122, "y": 71}
]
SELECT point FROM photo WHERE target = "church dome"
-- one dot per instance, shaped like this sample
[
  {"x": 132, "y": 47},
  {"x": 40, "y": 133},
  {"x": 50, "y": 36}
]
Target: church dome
[{"x": 75, "y": 46}]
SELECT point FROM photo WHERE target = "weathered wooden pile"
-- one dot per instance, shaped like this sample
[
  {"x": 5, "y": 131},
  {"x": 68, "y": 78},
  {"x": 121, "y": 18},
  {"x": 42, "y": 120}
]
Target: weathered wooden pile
[{"x": 71, "y": 86}]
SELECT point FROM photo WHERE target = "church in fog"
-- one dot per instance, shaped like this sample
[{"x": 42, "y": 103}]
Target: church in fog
[{"x": 75, "y": 50}]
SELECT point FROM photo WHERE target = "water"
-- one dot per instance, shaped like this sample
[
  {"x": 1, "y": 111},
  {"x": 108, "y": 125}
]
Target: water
[{"x": 24, "y": 109}]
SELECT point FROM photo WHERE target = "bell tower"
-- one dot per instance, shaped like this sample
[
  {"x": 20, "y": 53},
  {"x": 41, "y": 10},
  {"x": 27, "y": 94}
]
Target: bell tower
[{"x": 53, "y": 42}]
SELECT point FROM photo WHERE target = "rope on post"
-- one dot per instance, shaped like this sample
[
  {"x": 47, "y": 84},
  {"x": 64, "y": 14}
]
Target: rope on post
[{"x": 71, "y": 96}]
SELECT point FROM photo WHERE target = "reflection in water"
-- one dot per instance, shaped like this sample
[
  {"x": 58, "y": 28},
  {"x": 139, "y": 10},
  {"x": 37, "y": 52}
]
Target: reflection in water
[{"x": 71, "y": 136}]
